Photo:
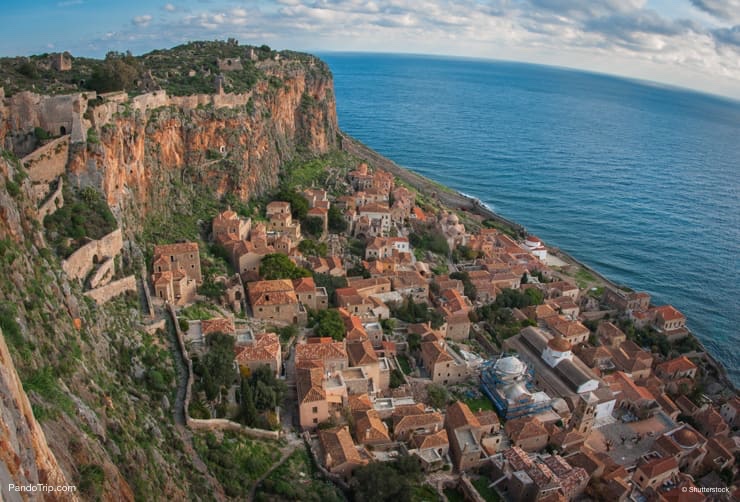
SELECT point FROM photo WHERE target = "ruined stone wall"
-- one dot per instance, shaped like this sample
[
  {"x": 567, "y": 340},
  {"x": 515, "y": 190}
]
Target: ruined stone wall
[
  {"x": 80, "y": 263},
  {"x": 149, "y": 101},
  {"x": 103, "y": 113},
  {"x": 115, "y": 288},
  {"x": 47, "y": 163},
  {"x": 104, "y": 273},
  {"x": 54, "y": 202}
]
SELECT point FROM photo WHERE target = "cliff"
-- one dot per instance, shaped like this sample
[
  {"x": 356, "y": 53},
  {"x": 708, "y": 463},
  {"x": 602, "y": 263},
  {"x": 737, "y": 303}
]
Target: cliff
[{"x": 94, "y": 407}]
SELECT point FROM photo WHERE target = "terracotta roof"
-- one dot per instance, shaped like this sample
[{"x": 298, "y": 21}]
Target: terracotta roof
[
  {"x": 459, "y": 415},
  {"x": 710, "y": 421},
  {"x": 276, "y": 292},
  {"x": 434, "y": 440},
  {"x": 304, "y": 285},
  {"x": 266, "y": 347},
  {"x": 679, "y": 364},
  {"x": 407, "y": 409},
  {"x": 487, "y": 417},
  {"x": 359, "y": 402},
  {"x": 220, "y": 324},
  {"x": 361, "y": 353},
  {"x": 309, "y": 384},
  {"x": 627, "y": 388},
  {"x": 524, "y": 428},
  {"x": 434, "y": 352},
  {"x": 518, "y": 458},
  {"x": 407, "y": 422},
  {"x": 374, "y": 208},
  {"x": 369, "y": 427},
  {"x": 277, "y": 205},
  {"x": 668, "y": 313},
  {"x": 658, "y": 467},
  {"x": 559, "y": 344},
  {"x": 570, "y": 328},
  {"x": 174, "y": 249},
  {"x": 320, "y": 351},
  {"x": 338, "y": 444}
]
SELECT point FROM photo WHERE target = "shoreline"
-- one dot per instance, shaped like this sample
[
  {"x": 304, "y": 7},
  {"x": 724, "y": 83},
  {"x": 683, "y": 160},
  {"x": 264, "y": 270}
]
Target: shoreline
[{"x": 456, "y": 200}]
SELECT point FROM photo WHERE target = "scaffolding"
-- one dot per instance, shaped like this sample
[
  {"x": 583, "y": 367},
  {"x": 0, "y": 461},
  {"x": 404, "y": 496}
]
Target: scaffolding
[{"x": 513, "y": 395}]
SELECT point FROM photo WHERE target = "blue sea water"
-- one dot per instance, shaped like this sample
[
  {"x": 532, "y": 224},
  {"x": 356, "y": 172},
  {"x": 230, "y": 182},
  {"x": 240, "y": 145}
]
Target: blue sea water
[{"x": 637, "y": 180}]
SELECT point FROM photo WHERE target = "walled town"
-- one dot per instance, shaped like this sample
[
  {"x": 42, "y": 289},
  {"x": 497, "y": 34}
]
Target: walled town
[
  {"x": 391, "y": 331},
  {"x": 374, "y": 340}
]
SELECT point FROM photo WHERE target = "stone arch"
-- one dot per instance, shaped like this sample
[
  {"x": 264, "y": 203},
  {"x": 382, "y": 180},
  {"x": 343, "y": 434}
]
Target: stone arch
[{"x": 62, "y": 131}]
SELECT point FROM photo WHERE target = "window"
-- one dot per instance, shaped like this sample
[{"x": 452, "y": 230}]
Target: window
[
  {"x": 315, "y": 409},
  {"x": 315, "y": 420}
]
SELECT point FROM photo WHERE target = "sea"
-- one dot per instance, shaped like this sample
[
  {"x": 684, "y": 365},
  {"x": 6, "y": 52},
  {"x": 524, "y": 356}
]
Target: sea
[{"x": 636, "y": 179}]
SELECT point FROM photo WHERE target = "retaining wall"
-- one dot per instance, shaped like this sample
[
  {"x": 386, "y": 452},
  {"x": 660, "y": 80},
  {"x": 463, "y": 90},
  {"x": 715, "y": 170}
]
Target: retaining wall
[{"x": 103, "y": 274}]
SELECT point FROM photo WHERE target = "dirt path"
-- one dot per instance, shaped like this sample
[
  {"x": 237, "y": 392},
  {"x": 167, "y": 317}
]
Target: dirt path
[{"x": 287, "y": 452}]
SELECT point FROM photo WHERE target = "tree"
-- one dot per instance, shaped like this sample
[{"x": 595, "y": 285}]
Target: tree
[
  {"x": 217, "y": 365},
  {"x": 379, "y": 481},
  {"x": 438, "y": 395},
  {"x": 298, "y": 203},
  {"x": 313, "y": 225},
  {"x": 337, "y": 223},
  {"x": 536, "y": 297},
  {"x": 327, "y": 323},
  {"x": 396, "y": 379},
  {"x": 248, "y": 408},
  {"x": 279, "y": 266},
  {"x": 359, "y": 270},
  {"x": 310, "y": 247},
  {"x": 414, "y": 341}
]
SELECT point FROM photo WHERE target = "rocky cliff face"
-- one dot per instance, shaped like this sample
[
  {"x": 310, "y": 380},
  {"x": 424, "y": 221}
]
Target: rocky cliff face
[
  {"x": 236, "y": 150},
  {"x": 92, "y": 410}
]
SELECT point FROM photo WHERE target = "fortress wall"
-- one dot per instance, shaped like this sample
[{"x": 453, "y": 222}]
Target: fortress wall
[
  {"x": 47, "y": 163},
  {"x": 150, "y": 101},
  {"x": 54, "y": 202},
  {"x": 104, "y": 273},
  {"x": 79, "y": 264}
]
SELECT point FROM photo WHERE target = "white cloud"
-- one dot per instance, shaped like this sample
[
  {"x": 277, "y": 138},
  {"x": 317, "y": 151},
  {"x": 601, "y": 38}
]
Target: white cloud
[
  {"x": 142, "y": 20},
  {"x": 589, "y": 34},
  {"x": 169, "y": 7}
]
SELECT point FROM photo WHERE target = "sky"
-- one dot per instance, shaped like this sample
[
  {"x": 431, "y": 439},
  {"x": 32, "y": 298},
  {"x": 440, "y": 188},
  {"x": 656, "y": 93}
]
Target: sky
[{"x": 686, "y": 43}]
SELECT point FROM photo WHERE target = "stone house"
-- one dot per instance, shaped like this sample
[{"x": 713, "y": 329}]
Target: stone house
[
  {"x": 182, "y": 256},
  {"x": 653, "y": 473},
  {"x": 263, "y": 351},
  {"x": 340, "y": 453},
  {"x": 527, "y": 433},
  {"x": 229, "y": 226},
  {"x": 275, "y": 300},
  {"x": 332, "y": 355},
  {"x": 369, "y": 428},
  {"x": 174, "y": 287},
  {"x": 311, "y": 296},
  {"x": 411, "y": 420},
  {"x": 464, "y": 432},
  {"x": 442, "y": 367}
]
